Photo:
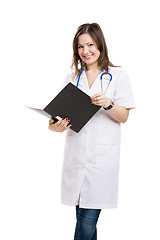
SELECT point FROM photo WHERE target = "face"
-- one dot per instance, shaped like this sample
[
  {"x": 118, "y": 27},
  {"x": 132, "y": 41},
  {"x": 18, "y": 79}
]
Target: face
[{"x": 87, "y": 49}]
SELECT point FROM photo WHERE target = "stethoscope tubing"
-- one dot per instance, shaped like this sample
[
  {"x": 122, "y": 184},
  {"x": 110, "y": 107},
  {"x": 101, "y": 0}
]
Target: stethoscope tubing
[
  {"x": 109, "y": 80},
  {"x": 100, "y": 79},
  {"x": 79, "y": 77},
  {"x": 108, "y": 74}
]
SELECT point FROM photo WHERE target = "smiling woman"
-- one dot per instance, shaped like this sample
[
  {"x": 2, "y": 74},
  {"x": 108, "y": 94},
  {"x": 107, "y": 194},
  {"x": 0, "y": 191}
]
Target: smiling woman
[{"x": 91, "y": 157}]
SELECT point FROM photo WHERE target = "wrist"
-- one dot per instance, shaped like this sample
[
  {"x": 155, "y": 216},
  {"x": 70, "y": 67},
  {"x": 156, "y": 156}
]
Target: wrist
[{"x": 109, "y": 105}]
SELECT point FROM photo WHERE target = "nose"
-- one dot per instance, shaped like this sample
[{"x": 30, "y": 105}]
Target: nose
[{"x": 85, "y": 50}]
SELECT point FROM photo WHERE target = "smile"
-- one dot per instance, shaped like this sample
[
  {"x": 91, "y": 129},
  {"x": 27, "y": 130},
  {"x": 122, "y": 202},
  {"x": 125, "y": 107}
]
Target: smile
[{"x": 88, "y": 57}]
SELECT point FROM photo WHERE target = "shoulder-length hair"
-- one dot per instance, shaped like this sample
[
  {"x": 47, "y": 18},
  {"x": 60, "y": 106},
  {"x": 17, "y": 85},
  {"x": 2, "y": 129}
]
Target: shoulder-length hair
[{"x": 96, "y": 33}]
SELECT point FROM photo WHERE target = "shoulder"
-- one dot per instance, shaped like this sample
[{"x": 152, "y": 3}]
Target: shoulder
[
  {"x": 119, "y": 75},
  {"x": 68, "y": 78},
  {"x": 118, "y": 71},
  {"x": 122, "y": 89}
]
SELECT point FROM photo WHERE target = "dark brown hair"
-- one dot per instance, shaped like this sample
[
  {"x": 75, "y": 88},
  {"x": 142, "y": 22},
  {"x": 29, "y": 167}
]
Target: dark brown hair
[{"x": 96, "y": 33}]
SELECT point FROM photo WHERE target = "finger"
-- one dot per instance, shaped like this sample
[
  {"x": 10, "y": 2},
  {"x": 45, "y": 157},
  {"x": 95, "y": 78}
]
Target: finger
[
  {"x": 59, "y": 123},
  {"x": 70, "y": 125},
  {"x": 98, "y": 98},
  {"x": 63, "y": 123},
  {"x": 51, "y": 121},
  {"x": 64, "y": 127},
  {"x": 98, "y": 102},
  {"x": 66, "y": 123},
  {"x": 60, "y": 128},
  {"x": 97, "y": 95}
]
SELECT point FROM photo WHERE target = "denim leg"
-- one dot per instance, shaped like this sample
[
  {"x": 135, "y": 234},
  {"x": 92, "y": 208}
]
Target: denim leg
[
  {"x": 94, "y": 237},
  {"x": 86, "y": 223}
]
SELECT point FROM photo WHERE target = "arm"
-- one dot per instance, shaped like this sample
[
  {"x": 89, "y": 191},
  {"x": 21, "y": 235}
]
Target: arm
[{"x": 119, "y": 113}]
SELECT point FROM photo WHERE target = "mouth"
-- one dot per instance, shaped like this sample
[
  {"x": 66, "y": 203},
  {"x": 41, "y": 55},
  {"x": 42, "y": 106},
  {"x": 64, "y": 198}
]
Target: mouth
[{"x": 88, "y": 56}]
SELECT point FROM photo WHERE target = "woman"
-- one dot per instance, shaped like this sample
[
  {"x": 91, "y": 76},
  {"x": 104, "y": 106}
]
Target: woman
[{"x": 91, "y": 157}]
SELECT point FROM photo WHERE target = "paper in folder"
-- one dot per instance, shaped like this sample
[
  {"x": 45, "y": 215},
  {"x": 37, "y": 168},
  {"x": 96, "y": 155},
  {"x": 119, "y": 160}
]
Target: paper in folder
[{"x": 72, "y": 103}]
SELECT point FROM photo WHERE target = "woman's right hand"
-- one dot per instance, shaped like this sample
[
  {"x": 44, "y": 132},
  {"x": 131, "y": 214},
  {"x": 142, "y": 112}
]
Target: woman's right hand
[{"x": 60, "y": 126}]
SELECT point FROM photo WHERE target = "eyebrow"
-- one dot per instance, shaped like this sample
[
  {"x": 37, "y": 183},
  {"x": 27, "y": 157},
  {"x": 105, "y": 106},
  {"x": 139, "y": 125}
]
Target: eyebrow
[{"x": 82, "y": 44}]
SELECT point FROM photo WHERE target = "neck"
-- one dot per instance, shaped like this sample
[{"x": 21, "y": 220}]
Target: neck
[{"x": 93, "y": 67}]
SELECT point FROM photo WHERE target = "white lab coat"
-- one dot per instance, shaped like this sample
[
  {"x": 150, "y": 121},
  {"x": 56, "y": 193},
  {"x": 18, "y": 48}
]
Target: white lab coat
[{"x": 91, "y": 157}]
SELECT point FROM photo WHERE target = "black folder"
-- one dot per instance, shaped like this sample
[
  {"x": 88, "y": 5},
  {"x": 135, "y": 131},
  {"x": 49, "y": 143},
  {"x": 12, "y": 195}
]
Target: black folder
[{"x": 72, "y": 103}]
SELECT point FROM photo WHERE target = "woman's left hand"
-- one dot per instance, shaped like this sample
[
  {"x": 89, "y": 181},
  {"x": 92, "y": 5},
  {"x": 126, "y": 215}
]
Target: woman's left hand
[{"x": 100, "y": 99}]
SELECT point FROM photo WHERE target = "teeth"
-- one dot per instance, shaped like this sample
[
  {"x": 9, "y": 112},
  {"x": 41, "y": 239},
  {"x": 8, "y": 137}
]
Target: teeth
[{"x": 88, "y": 56}]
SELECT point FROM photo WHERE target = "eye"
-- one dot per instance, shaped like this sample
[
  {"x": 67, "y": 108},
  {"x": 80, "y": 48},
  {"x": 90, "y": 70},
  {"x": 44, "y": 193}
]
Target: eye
[
  {"x": 79, "y": 47},
  {"x": 90, "y": 45}
]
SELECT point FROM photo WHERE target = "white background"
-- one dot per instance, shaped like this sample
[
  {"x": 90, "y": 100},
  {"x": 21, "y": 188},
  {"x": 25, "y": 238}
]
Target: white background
[{"x": 35, "y": 56}]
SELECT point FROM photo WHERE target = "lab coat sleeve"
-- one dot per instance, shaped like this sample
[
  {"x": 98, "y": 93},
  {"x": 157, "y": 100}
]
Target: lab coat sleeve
[
  {"x": 68, "y": 78},
  {"x": 123, "y": 92}
]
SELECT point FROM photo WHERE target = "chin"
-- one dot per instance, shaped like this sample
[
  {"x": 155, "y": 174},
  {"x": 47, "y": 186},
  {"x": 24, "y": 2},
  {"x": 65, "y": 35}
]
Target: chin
[{"x": 89, "y": 62}]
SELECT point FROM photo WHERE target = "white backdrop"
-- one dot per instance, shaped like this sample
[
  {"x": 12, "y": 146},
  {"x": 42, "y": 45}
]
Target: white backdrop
[{"x": 35, "y": 56}]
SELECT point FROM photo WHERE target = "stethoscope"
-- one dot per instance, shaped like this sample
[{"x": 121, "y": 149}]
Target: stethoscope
[{"x": 105, "y": 73}]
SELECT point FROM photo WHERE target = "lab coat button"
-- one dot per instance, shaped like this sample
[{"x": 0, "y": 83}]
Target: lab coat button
[{"x": 84, "y": 149}]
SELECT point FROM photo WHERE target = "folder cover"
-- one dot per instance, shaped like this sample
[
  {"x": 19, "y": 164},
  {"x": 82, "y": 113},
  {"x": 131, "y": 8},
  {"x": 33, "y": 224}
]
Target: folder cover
[{"x": 72, "y": 103}]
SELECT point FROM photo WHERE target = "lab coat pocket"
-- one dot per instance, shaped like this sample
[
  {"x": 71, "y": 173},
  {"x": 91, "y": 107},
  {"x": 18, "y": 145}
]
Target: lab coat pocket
[{"x": 107, "y": 153}]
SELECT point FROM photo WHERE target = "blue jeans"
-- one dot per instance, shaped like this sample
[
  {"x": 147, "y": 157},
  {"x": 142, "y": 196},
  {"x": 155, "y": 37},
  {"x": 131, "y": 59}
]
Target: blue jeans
[{"x": 86, "y": 223}]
